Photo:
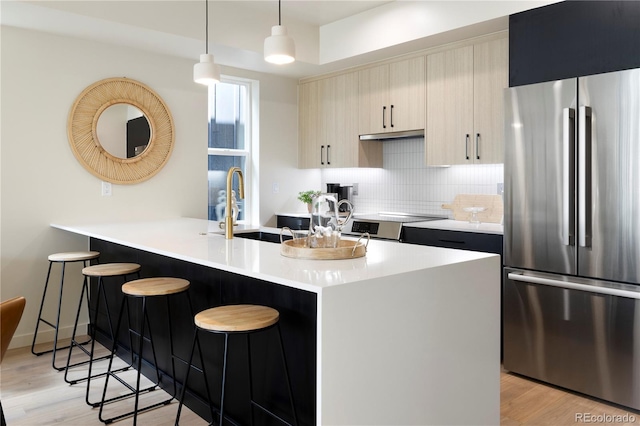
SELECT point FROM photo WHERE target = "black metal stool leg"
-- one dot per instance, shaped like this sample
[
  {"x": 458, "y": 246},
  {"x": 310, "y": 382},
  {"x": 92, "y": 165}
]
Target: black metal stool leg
[
  {"x": 93, "y": 340},
  {"x": 44, "y": 295},
  {"x": 84, "y": 292},
  {"x": 113, "y": 351},
  {"x": 250, "y": 377},
  {"x": 143, "y": 318},
  {"x": 186, "y": 377},
  {"x": 286, "y": 373},
  {"x": 57, "y": 327},
  {"x": 224, "y": 376},
  {"x": 173, "y": 362}
]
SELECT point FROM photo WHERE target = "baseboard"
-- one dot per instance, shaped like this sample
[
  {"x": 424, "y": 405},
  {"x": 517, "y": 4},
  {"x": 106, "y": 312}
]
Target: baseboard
[{"x": 46, "y": 334}]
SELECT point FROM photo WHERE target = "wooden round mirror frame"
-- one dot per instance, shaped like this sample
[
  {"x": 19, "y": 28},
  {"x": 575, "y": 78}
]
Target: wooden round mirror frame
[{"x": 83, "y": 120}]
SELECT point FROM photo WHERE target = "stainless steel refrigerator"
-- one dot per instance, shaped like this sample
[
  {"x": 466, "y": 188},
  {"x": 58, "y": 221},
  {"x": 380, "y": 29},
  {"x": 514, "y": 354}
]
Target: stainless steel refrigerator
[{"x": 571, "y": 289}]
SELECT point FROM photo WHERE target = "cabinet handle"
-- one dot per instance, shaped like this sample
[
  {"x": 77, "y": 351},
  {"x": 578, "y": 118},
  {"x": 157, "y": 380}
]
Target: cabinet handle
[
  {"x": 466, "y": 146},
  {"x": 391, "y": 115},
  {"x": 328, "y": 154},
  {"x": 477, "y": 146},
  {"x": 322, "y": 154},
  {"x": 451, "y": 241},
  {"x": 384, "y": 110}
]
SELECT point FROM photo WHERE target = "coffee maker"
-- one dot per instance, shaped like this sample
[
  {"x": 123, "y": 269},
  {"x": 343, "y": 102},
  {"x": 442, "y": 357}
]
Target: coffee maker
[{"x": 344, "y": 193}]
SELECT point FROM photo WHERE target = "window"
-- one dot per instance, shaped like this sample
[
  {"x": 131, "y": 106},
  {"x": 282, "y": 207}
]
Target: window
[{"x": 230, "y": 145}]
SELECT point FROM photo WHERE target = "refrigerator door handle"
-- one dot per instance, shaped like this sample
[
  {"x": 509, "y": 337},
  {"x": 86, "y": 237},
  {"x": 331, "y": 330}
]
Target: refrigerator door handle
[
  {"x": 532, "y": 279},
  {"x": 568, "y": 173},
  {"x": 584, "y": 177}
]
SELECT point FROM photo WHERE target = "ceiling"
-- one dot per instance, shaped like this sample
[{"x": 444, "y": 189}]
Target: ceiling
[{"x": 329, "y": 35}]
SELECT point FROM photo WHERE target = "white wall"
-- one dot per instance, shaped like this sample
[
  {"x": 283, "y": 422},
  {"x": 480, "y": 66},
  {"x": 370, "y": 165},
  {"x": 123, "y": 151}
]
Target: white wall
[{"x": 42, "y": 183}]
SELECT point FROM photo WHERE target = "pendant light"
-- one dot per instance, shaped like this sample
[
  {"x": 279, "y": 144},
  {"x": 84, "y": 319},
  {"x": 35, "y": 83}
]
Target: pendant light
[
  {"x": 279, "y": 48},
  {"x": 206, "y": 72}
]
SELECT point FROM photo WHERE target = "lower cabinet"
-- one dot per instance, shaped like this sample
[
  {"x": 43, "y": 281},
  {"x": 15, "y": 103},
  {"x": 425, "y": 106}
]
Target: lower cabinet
[
  {"x": 487, "y": 243},
  {"x": 292, "y": 222}
]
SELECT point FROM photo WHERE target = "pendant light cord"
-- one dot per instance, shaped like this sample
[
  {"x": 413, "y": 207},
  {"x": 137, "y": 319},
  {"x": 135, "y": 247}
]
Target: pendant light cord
[
  {"x": 279, "y": 15},
  {"x": 206, "y": 26}
]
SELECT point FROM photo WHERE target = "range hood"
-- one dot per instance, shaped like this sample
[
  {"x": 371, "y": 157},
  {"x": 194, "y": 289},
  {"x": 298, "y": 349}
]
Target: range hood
[{"x": 393, "y": 135}]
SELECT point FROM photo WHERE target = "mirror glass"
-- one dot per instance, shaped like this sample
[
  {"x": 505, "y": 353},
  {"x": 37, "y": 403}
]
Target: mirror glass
[{"x": 123, "y": 130}]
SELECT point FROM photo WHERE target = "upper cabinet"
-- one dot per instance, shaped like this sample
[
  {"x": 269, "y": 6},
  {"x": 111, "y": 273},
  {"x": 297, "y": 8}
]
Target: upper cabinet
[
  {"x": 464, "y": 104},
  {"x": 328, "y": 125},
  {"x": 392, "y": 97}
]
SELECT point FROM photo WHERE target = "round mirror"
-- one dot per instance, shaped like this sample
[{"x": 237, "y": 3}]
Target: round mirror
[
  {"x": 97, "y": 130},
  {"x": 123, "y": 130}
]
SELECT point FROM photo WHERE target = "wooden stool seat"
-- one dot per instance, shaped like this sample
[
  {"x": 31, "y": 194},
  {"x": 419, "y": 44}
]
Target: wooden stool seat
[
  {"x": 237, "y": 318},
  {"x": 111, "y": 269},
  {"x": 160, "y": 286},
  {"x": 74, "y": 256}
]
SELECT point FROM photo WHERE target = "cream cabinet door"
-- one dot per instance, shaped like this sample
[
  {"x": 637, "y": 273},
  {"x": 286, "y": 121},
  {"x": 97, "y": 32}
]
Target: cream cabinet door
[
  {"x": 374, "y": 100},
  {"x": 490, "y": 78},
  {"x": 328, "y": 125},
  {"x": 407, "y": 94},
  {"x": 308, "y": 124},
  {"x": 449, "y": 127},
  {"x": 342, "y": 123}
]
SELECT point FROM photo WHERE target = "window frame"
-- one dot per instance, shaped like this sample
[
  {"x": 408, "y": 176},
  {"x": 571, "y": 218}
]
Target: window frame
[{"x": 251, "y": 145}]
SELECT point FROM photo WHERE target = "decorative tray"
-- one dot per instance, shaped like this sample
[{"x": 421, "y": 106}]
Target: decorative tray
[{"x": 346, "y": 249}]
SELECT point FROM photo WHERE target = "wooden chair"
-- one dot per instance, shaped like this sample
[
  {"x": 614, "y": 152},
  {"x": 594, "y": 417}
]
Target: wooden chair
[{"x": 10, "y": 314}]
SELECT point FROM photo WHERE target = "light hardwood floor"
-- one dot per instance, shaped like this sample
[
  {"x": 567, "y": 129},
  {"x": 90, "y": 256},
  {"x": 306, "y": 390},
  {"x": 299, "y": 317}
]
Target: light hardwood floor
[{"x": 32, "y": 393}]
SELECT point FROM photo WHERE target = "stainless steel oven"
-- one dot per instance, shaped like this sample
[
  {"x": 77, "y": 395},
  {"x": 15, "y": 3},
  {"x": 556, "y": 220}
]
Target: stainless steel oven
[{"x": 384, "y": 225}]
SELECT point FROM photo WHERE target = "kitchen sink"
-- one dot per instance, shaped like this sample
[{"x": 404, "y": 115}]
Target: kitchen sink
[{"x": 262, "y": 236}]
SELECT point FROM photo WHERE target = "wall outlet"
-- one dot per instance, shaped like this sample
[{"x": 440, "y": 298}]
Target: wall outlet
[
  {"x": 106, "y": 189},
  {"x": 501, "y": 189},
  {"x": 275, "y": 188},
  {"x": 354, "y": 189}
]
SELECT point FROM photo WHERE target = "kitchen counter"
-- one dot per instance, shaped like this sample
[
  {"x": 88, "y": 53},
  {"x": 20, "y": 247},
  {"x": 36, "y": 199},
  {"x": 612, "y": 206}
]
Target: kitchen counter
[
  {"x": 405, "y": 335},
  {"x": 459, "y": 225}
]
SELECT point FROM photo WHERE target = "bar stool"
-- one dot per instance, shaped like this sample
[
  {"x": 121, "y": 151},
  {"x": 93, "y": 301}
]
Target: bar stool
[
  {"x": 233, "y": 320},
  {"x": 101, "y": 271},
  {"x": 63, "y": 258},
  {"x": 142, "y": 289}
]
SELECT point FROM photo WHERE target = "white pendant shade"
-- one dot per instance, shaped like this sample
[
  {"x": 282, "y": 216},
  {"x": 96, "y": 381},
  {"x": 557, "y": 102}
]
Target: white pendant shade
[
  {"x": 279, "y": 48},
  {"x": 206, "y": 72}
]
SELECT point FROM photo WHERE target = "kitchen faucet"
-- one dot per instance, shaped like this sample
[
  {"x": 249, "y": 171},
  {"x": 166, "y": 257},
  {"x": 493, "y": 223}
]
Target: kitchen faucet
[{"x": 228, "y": 214}]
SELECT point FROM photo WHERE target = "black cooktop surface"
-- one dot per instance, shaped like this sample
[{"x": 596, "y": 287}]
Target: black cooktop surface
[{"x": 397, "y": 217}]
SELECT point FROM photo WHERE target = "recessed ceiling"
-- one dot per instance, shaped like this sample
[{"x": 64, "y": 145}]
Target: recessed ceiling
[{"x": 329, "y": 35}]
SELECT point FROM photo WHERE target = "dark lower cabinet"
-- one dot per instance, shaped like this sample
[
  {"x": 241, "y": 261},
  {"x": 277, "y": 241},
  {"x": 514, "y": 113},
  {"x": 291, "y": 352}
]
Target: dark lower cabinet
[
  {"x": 292, "y": 222},
  {"x": 209, "y": 288},
  {"x": 488, "y": 243}
]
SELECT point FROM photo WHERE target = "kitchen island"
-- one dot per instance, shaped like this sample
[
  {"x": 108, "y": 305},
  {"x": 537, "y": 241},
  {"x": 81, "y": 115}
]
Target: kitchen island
[{"x": 404, "y": 335}]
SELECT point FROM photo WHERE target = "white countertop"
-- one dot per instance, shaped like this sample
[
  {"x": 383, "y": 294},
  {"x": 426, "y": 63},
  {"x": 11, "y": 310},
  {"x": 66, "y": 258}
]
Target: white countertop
[
  {"x": 459, "y": 225},
  {"x": 202, "y": 242}
]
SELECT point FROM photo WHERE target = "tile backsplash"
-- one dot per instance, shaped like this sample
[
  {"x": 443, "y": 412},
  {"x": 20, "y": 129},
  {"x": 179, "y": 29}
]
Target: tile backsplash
[{"x": 405, "y": 184}]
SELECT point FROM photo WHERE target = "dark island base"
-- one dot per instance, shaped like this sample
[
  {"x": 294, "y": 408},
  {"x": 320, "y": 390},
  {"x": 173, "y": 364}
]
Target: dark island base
[{"x": 209, "y": 288}]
